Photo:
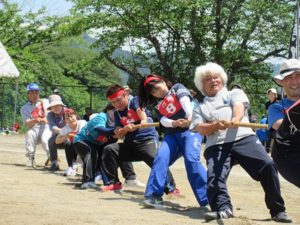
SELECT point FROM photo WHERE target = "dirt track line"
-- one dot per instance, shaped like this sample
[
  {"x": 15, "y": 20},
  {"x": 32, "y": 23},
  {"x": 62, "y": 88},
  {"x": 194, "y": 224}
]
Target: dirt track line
[{"x": 19, "y": 151}]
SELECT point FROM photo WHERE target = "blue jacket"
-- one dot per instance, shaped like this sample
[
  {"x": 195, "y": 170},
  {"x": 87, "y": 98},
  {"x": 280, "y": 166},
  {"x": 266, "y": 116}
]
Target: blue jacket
[{"x": 96, "y": 131}]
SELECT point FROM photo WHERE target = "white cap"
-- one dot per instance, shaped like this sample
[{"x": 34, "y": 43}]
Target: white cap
[
  {"x": 273, "y": 90},
  {"x": 287, "y": 68}
]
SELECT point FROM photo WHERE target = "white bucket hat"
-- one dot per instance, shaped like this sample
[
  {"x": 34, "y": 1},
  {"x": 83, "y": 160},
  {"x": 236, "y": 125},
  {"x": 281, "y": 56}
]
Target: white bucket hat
[
  {"x": 55, "y": 100},
  {"x": 127, "y": 88},
  {"x": 273, "y": 90},
  {"x": 287, "y": 68}
]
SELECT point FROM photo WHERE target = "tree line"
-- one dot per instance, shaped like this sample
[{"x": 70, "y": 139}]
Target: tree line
[{"x": 170, "y": 38}]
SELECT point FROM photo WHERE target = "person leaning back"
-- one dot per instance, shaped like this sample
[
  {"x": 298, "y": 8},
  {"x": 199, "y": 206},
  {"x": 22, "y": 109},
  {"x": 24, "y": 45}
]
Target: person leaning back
[
  {"x": 34, "y": 117},
  {"x": 56, "y": 123},
  {"x": 228, "y": 144},
  {"x": 286, "y": 147}
]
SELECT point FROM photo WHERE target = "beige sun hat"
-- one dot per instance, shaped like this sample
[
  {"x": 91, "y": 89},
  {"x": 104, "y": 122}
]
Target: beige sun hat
[
  {"x": 126, "y": 88},
  {"x": 273, "y": 90},
  {"x": 287, "y": 68},
  {"x": 55, "y": 100}
]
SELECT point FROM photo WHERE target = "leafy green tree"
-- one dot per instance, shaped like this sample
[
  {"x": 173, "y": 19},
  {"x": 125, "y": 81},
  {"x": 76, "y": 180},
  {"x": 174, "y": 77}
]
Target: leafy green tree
[
  {"x": 79, "y": 66},
  {"x": 25, "y": 35},
  {"x": 173, "y": 37},
  {"x": 43, "y": 51}
]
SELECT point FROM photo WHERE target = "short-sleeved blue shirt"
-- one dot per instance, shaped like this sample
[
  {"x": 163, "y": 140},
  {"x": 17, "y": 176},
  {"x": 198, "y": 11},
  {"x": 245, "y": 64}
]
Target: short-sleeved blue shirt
[{"x": 277, "y": 110}]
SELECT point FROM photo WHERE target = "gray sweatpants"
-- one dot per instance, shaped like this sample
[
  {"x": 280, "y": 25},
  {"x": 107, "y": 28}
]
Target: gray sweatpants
[{"x": 34, "y": 137}]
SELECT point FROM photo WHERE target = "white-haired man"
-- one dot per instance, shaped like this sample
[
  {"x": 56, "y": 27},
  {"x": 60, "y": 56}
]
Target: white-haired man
[{"x": 228, "y": 144}]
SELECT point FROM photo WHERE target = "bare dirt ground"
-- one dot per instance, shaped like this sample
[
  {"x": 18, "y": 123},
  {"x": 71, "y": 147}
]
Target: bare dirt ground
[{"x": 35, "y": 196}]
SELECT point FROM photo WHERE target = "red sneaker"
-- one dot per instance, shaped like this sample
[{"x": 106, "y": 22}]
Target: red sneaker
[
  {"x": 112, "y": 187},
  {"x": 176, "y": 193}
]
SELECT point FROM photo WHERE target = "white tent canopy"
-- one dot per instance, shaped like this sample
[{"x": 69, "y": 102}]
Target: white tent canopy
[{"x": 7, "y": 67}]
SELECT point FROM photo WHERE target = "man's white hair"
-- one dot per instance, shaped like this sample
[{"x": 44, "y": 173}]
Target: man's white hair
[{"x": 207, "y": 69}]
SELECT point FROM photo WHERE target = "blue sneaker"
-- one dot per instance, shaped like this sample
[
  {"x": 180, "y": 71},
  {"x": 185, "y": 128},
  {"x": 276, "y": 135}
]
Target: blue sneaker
[
  {"x": 54, "y": 166},
  {"x": 154, "y": 202},
  {"x": 98, "y": 178},
  {"x": 89, "y": 185}
]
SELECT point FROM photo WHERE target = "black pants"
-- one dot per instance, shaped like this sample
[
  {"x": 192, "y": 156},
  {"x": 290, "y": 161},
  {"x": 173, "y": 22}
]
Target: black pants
[
  {"x": 91, "y": 155},
  {"x": 71, "y": 154},
  {"x": 53, "y": 147},
  {"x": 251, "y": 155},
  {"x": 287, "y": 160},
  {"x": 118, "y": 153}
]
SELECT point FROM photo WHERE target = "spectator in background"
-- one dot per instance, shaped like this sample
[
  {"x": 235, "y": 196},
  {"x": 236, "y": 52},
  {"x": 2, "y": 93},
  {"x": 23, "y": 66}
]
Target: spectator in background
[
  {"x": 262, "y": 134},
  {"x": 252, "y": 117},
  {"x": 34, "y": 117},
  {"x": 88, "y": 113},
  {"x": 56, "y": 91},
  {"x": 235, "y": 86},
  {"x": 272, "y": 97},
  {"x": 16, "y": 127},
  {"x": 194, "y": 101}
]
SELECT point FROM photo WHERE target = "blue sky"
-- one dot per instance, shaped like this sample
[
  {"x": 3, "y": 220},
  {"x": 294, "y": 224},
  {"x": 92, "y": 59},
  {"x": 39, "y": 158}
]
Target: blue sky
[{"x": 54, "y": 7}]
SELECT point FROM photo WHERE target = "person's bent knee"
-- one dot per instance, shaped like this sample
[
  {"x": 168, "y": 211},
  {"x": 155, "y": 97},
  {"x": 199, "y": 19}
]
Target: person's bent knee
[
  {"x": 30, "y": 134},
  {"x": 268, "y": 169},
  {"x": 161, "y": 157}
]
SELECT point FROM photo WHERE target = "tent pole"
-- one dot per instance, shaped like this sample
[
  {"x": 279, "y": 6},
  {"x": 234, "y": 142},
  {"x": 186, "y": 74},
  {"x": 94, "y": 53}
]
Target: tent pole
[
  {"x": 2, "y": 106},
  {"x": 297, "y": 26},
  {"x": 16, "y": 100}
]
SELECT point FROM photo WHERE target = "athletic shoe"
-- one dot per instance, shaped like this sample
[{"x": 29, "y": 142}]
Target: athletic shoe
[
  {"x": 47, "y": 162},
  {"x": 154, "y": 202},
  {"x": 222, "y": 214},
  {"x": 112, "y": 187},
  {"x": 98, "y": 178},
  {"x": 282, "y": 217},
  {"x": 54, "y": 166},
  {"x": 30, "y": 163},
  {"x": 134, "y": 183},
  {"x": 75, "y": 167},
  {"x": 89, "y": 185},
  {"x": 176, "y": 193},
  {"x": 70, "y": 172}
]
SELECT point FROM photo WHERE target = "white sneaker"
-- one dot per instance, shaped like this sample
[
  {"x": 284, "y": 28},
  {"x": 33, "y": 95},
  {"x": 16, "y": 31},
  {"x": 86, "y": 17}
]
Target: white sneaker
[
  {"x": 98, "y": 179},
  {"x": 30, "y": 163},
  {"x": 75, "y": 167},
  {"x": 70, "y": 172},
  {"x": 89, "y": 185},
  {"x": 135, "y": 183}
]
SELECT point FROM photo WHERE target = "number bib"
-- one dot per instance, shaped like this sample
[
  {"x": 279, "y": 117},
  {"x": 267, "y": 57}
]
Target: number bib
[
  {"x": 169, "y": 106},
  {"x": 102, "y": 138},
  {"x": 38, "y": 111},
  {"x": 131, "y": 117},
  {"x": 72, "y": 137}
]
